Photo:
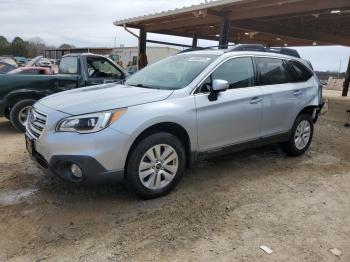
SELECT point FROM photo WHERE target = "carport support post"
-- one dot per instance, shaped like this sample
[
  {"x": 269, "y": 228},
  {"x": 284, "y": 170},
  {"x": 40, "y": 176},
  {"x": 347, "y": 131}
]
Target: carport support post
[
  {"x": 142, "y": 49},
  {"x": 194, "y": 41},
  {"x": 224, "y": 29},
  {"x": 347, "y": 81}
]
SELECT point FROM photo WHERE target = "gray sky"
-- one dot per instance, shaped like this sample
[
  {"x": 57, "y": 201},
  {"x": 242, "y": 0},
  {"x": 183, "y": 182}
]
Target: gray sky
[{"x": 89, "y": 23}]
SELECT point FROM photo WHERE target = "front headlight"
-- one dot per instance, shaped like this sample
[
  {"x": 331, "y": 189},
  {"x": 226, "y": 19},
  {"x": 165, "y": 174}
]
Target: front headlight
[{"x": 89, "y": 123}]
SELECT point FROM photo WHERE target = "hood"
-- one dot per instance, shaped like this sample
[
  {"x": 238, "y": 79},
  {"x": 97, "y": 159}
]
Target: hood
[
  {"x": 33, "y": 61},
  {"x": 102, "y": 98}
]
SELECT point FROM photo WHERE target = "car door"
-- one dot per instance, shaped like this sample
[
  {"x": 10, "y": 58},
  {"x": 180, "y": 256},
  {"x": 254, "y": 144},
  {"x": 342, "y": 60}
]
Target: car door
[
  {"x": 282, "y": 98},
  {"x": 304, "y": 84},
  {"x": 235, "y": 117},
  {"x": 68, "y": 75},
  {"x": 101, "y": 71}
]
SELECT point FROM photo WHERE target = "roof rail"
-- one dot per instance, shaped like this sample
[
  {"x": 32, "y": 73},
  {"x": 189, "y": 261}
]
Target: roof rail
[
  {"x": 262, "y": 48},
  {"x": 204, "y": 48},
  {"x": 285, "y": 51},
  {"x": 249, "y": 47}
]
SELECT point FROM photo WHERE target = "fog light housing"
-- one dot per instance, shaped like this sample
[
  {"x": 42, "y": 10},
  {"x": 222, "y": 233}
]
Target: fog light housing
[{"x": 76, "y": 171}]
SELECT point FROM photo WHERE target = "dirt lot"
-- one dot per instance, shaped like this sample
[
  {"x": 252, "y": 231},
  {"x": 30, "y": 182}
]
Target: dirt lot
[{"x": 221, "y": 211}]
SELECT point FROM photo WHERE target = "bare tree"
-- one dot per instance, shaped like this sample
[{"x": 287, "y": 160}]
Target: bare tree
[
  {"x": 66, "y": 46},
  {"x": 36, "y": 46}
]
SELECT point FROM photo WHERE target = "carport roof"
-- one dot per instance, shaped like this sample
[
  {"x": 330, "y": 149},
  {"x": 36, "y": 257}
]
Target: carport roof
[{"x": 271, "y": 22}]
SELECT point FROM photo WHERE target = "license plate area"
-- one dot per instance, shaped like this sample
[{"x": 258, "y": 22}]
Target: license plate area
[{"x": 30, "y": 145}]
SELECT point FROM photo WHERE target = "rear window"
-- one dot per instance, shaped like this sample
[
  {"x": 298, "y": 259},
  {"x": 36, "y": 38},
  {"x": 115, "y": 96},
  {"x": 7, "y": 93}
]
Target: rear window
[
  {"x": 273, "y": 71},
  {"x": 69, "y": 65},
  {"x": 302, "y": 73}
]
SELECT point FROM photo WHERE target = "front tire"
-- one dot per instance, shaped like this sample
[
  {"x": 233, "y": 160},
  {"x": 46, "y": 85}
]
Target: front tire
[
  {"x": 301, "y": 136},
  {"x": 156, "y": 165},
  {"x": 19, "y": 112}
]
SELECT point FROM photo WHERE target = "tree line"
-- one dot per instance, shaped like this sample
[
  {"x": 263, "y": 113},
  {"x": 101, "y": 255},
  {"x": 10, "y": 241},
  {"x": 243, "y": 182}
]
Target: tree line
[{"x": 31, "y": 48}]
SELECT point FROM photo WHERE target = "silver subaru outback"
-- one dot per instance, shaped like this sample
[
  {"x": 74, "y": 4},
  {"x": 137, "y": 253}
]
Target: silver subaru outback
[{"x": 174, "y": 113}]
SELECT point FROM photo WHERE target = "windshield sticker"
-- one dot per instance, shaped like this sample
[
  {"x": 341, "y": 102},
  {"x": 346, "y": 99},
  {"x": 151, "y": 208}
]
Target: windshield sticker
[{"x": 198, "y": 59}]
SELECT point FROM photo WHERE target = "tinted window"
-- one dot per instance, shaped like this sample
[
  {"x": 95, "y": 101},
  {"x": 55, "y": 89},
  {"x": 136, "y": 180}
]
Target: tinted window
[
  {"x": 238, "y": 72},
  {"x": 273, "y": 71},
  {"x": 101, "y": 67},
  {"x": 69, "y": 65},
  {"x": 302, "y": 73}
]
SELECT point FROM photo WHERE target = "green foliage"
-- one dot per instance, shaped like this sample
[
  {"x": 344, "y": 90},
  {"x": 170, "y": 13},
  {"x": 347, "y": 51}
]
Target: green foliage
[
  {"x": 19, "y": 47},
  {"x": 4, "y": 46},
  {"x": 31, "y": 48}
]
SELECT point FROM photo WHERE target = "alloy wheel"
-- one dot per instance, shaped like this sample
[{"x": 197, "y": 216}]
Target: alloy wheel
[
  {"x": 23, "y": 114},
  {"x": 302, "y": 135},
  {"x": 158, "y": 166}
]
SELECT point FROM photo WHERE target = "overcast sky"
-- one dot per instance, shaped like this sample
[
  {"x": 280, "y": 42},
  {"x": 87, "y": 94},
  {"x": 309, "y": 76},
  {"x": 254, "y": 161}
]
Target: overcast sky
[{"x": 88, "y": 23}]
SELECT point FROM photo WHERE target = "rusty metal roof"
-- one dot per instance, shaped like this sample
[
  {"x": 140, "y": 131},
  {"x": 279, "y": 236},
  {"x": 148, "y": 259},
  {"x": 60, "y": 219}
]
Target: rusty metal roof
[
  {"x": 271, "y": 22},
  {"x": 176, "y": 11}
]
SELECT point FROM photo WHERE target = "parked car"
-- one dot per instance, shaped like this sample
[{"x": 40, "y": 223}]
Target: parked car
[
  {"x": 32, "y": 71},
  {"x": 21, "y": 61},
  {"x": 33, "y": 61},
  {"x": 18, "y": 92},
  {"x": 9, "y": 60},
  {"x": 44, "y": 62},
  {"x": 5, "y": 67},
  {"x": 132, "y": 69},
  {"x": 173, "y": 113}
]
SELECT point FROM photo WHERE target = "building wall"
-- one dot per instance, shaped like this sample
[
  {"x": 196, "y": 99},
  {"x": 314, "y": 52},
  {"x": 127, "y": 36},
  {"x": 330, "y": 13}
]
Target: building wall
[
  {"x": 129, "y": 55},
  {"x": 335, "y": 83}
]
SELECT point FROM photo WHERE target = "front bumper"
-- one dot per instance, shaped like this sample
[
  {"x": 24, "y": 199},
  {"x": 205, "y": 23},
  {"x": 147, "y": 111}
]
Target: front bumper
[
  {"x": 92, "y": 170},
  {"x": 101, "y": 156}
]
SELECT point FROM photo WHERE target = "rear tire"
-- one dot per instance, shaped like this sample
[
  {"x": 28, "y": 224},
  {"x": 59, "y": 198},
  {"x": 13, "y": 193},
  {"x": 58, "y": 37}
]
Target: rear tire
[
  {"x": 301, "y": 136},
  {"x": 156, "y": 165},
  {"x": 18, "y": 113}
]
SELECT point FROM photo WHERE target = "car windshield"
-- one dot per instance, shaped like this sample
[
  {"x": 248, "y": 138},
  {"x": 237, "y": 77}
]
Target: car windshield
[{"x": 174, "y": 72}]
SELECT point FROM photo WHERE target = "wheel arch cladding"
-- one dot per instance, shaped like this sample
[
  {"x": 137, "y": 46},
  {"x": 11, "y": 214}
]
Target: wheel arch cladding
[
  {"x": 307, "y": 110},
  {"x": 168, "y": 127},
  {"x": 14, "y": 98}
]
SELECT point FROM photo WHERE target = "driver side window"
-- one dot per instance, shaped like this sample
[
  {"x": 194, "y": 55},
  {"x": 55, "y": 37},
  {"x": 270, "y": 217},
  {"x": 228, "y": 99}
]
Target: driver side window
[
  {"x": 99, "y": 67},
  {"x": 238, "y": 72}
]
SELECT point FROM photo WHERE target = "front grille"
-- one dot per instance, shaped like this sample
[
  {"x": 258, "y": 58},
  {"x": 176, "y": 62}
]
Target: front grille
[{"x": 36, "y": 123}]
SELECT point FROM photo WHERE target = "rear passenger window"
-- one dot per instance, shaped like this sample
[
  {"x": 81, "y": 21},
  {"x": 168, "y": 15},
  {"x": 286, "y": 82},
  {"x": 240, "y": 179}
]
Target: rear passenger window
[
  {"x": 238, "y": 72},
  {"x": 303, "y": 74},
  {"x": 273, "y": 71}
]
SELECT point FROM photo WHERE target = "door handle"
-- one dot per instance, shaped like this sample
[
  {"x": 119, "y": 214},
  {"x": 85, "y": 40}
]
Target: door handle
[
  {"x": 298, "y": 93},
  {"x": 256, "y": 100}
]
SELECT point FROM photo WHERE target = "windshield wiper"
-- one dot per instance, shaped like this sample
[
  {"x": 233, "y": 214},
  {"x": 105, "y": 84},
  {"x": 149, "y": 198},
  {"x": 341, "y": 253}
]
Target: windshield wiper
[{"x": 144, "y": 86}]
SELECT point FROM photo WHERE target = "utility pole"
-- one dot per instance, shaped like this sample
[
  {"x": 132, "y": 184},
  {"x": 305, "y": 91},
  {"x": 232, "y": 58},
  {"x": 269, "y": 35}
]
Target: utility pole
[{"x": 347, "y": 81}]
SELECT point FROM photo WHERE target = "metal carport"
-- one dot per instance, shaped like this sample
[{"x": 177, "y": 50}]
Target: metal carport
[{"x": 270, "y": 22}]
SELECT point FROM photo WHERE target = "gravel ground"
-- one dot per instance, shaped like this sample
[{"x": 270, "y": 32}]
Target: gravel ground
[{"x": 223, "y": 210}]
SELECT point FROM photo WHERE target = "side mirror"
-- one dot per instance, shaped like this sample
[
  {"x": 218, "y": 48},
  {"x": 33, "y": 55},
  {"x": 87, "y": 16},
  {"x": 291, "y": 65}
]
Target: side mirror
[{"x": 218, "y": 86}]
